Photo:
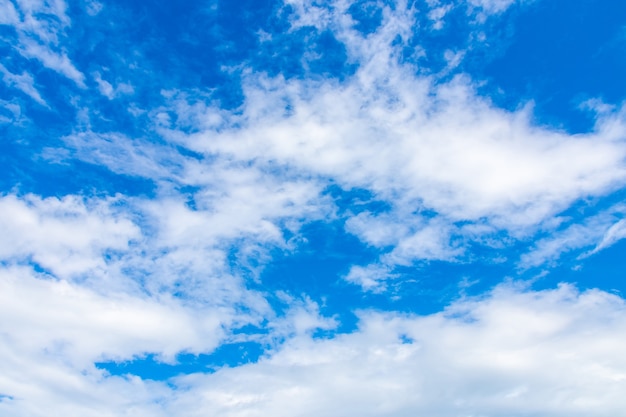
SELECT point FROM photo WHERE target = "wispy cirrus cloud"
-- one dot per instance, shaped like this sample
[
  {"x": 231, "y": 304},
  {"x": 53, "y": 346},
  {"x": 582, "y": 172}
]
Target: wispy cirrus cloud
[
  {"x": 39, "y": 34},
  {"x": 23, "y": 82},
  {"x": 55, "y": 60}
]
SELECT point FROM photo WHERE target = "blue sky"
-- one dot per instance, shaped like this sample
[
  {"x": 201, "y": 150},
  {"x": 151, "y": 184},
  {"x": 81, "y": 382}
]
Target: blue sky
[{"x": 303, "y": 208}]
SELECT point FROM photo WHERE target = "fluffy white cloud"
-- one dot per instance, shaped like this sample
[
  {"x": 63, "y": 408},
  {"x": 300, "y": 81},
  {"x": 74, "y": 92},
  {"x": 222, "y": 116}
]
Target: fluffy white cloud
[
  {"x": 126, "y": 265},
  {"x": 420, "y": 146},
  {"x": 129, "y": 276},
  {"x": 66, "y": 236},
  {"x": 441, "y": 148},
  {"x": 513, "y": 352},
  {"x": 371, "y": 277},
  {"x": 452, "y": 167},
  {"x": 80, "y": 326}
]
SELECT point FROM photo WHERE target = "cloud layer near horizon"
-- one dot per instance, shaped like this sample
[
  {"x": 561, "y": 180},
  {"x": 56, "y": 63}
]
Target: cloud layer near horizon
[{"x": 512, "y": 352}]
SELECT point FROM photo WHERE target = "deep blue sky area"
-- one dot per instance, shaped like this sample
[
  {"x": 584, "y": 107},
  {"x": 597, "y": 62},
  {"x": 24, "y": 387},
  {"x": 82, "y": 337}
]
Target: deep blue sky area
[{"x": 557, "y": 54}]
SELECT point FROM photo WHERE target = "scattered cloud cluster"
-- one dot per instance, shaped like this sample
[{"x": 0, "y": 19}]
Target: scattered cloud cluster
[
  {"x": 513, "y": 352},
  {"x": 451, "y": 166},
  {"x": 510, "y": 352},
  {"x": 40, "y": 28},
  {"x": 101, "y": 275}
]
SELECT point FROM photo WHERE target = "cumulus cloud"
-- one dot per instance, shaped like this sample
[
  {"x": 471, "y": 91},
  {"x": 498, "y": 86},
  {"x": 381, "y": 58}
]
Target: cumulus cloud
[
  {"x": 81, "y": 326},
  {"x": 511, "y": 352},
  {"x": 514, "y": 352},
  {"x": 370, "y": 278},
  {"x": 110, "y": 253},
  {"x": 65, "y": 236},
  {"x": 445, "y": 150}
]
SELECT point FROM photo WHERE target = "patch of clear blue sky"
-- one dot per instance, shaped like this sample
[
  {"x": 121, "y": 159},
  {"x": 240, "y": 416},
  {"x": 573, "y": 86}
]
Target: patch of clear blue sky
[
  {"x": 557, "y": 53},
  {"x": 152, "y": 367}
]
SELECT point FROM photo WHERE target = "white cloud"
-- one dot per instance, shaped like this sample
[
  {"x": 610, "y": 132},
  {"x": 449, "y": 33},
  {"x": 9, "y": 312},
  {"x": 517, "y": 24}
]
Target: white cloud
[
  {"x": 613, "y": 235},
  {"x": 511, "y": 352},
  {"x": 448, "y": 165},
  {"x": 541, "y": 353},
  {"x": 482, "y": 10},
  {"x": 94, "y": 7},
  {"x": 36, "y": 13},
  {"x": 460, "y": 156},
  {"x": 418, "y": 144},
  {"x": 175, "y": 243},
  {"x": 308, "y": 13},
  {"x": 81, "y": 326},
  {"x": 66, "y": 236},
  {"x": 105, "y": 87},
  {"x": 545, "y": 353},
  {"x": 109, "y": 91},
  {"x": 8, "y": 14},
  {"x": 124, "y": 155},
  {"x": 599, "y": 231},
  {"x": 302, "y": 318},
  {"x": 23, "y": 82},
  {"x": 437, "y": 15},
  {"x": 56, "y": 61},
  {"x": 410, "y": 235},
  {"x": 58, "y": 329},
  {"x": 370, "y": 278},
  {"x": 12, "y": 112},
  {"x": 422, "y": 147},
  {"x": 40, "y": 28},
  {"x": 432, "y": 242},
  {"x": 492, "y": 6},
  {"x": 383, "y": 229}
]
